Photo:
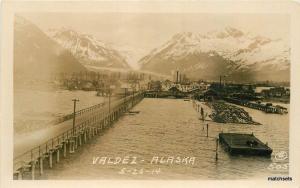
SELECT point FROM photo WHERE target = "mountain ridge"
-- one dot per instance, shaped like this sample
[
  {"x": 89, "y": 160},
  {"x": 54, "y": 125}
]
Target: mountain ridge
[
  {"x": 36, "y": 55},
  {"x": 234, "y": 51},
  {"x": 88, "y": 50}
]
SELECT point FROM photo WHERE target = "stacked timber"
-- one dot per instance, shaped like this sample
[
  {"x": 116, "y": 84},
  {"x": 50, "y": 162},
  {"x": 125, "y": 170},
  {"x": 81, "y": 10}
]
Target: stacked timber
[{"x": 226, "y": 113}]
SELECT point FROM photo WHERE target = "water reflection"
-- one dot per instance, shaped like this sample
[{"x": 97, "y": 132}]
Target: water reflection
[{"x": 168, "y": 127}]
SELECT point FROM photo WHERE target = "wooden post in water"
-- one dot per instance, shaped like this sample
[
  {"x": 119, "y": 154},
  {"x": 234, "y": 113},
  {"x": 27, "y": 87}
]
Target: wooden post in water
[
  {"x": 71, "y": 146},
  {"x": 20, "y": 175},
  {"x": 109, "y": 96},
  {"x": 132, "y": 100},
  {"x": 41, "y": 165},
  {"x": 202, "y": 114},
  {"x": 217, "y": 145},
  {"x": 80, "y": 141},
  {"x": 65, "y": 149},
  {"x": 32, "y": 170},
  {"x": 89, "y": 133},
  {"x": 57, "y": 155},
  {"x": 75, "y": 142},
  {"x": 50, "y": 159},
  {"x": 207, "y": 130},
  {"x": 74, "y": 115},
  {"x": 84, "y": 136}
]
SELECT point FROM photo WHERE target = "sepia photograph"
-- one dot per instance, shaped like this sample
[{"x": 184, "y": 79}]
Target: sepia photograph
[{"x": 141, "y": 95}]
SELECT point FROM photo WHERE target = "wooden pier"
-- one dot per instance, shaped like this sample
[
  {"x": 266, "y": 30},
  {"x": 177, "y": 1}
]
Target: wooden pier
[
  {"x": 268, "y": 107},
  {"x": 33, "y": 162},
  {"x": 244, "y": 144}
]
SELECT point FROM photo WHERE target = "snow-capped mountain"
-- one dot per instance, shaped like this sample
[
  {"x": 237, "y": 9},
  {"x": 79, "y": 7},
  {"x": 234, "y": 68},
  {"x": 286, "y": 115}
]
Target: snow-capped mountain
[
  {"x": 231, "y": 52},
  {"x": 131, "y": 54},
  {"x": 88, "y": 50},
  {"x": 37, "y": 56}
]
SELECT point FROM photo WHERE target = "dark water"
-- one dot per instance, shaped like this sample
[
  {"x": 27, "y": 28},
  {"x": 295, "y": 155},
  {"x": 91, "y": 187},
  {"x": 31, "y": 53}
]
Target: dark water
[{"x": 171, "y": 128}]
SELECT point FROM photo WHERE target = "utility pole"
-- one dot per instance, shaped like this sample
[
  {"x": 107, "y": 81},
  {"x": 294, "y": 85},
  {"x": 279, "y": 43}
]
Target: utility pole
[{"x": 74, "y": 114}]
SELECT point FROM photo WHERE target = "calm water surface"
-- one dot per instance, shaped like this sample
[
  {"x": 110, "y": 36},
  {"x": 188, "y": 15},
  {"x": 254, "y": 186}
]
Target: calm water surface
[{"x": 168, "y": 127}]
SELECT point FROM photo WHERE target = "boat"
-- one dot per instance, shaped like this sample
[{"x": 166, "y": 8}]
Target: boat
[
  {"x": 244, "y": 144},
  {"x": 134, "y": 112},
  {"x": 131, "y": 112}
]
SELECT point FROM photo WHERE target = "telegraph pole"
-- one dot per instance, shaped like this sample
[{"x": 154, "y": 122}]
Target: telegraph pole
[{"x": 74, "y": 114}]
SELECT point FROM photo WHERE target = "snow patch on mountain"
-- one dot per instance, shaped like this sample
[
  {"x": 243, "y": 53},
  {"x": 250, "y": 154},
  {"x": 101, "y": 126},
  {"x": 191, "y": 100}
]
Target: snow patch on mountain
[
  {"x": 88, "y": 49},
  {"x": 242, "y": 50},
  {"x": 229, "y": 51}
]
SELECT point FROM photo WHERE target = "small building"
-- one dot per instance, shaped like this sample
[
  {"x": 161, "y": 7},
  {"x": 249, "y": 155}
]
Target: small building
[
  {"x": 88, "y": 86},
  {"x": 210, "y": 95},
  {"x": 154, "y": 85},
  {"x": 276, "y": 92},
  {"x": 174, "y": 90}
]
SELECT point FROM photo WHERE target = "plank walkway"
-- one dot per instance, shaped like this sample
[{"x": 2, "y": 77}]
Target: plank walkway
[{"x": 35, "y": 150}]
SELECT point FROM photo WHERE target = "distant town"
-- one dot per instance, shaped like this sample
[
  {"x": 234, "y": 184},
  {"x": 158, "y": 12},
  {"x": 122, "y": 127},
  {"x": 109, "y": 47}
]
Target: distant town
[{"x": 259, "y": 95}]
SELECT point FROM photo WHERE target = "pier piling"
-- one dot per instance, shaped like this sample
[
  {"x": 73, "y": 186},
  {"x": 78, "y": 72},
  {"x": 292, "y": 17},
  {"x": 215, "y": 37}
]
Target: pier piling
[
  {"x": 65, "y": 148},
  {"x": 32, "y": 170},
  {"x": 50, "y": 159},
  {"x": 41, "y": 165},
  {"x": 217, "y": 146},
  {"x": 57, "y": 155},
  {"x": 207, "y": 130},
  {"x": 20, "y": 176},
  {"x": 70, "y": 140},
  {"x": 71, "y": 146},
  {"x": 84, "y": 136},
  {"x": 80, "y": 141}
]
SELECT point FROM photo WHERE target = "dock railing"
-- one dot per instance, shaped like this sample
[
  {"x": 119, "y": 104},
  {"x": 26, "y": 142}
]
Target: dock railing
[{"x": 72, "y": 138}]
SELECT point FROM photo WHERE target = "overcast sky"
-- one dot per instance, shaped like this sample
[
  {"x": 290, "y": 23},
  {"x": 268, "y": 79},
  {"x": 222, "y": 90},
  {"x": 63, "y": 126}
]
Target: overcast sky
[{"x": 145, "y": 31}]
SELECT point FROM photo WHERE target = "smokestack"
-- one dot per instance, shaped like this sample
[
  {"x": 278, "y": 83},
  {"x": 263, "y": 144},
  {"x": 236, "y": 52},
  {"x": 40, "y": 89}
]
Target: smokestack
[
  {"x": 177, "y": 76},
  {"x": 180, "y": 77}
]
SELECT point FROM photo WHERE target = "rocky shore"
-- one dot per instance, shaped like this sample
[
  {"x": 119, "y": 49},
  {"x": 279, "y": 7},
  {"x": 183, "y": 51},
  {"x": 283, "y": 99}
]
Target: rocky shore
[{"x": 226, "y": 113}]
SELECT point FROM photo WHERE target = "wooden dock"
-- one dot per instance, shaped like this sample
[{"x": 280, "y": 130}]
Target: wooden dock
[
  {"x": 268, "y": 107},
  {"x": 244, "y": 144},
  {"x": 32, "y": 163}
]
